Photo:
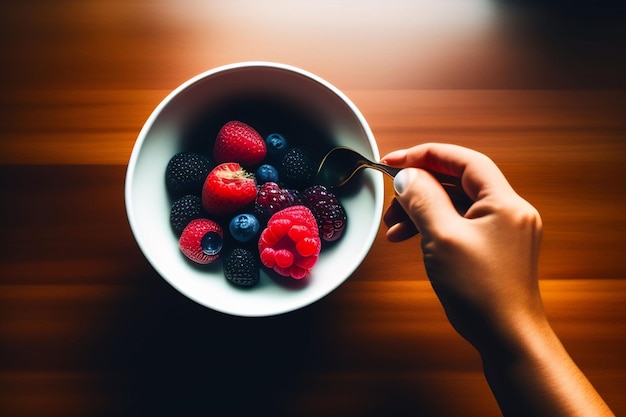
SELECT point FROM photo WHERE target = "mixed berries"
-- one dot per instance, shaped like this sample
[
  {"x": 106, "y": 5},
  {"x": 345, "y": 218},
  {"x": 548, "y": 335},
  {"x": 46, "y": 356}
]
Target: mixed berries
[{"x": 253, "y": 205}]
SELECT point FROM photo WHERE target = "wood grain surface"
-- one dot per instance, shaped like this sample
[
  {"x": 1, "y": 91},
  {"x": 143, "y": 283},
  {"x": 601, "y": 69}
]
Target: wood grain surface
[{"x": 88, "y": 328}]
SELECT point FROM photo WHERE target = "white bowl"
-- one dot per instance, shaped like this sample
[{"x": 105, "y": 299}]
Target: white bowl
[{"x": 271, "y": 98}]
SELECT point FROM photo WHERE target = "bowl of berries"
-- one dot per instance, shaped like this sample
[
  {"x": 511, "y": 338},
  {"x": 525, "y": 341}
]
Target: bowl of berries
[{"x": 221, "y": 191}]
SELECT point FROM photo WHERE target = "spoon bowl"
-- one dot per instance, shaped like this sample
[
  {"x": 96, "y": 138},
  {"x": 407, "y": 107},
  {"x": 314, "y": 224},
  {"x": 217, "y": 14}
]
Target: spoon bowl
[{"x": 341, "y": 163}]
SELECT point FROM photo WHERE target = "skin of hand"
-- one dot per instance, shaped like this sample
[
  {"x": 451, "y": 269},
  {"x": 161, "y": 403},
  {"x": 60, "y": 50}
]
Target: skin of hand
[{"x": 483, "y": 266}]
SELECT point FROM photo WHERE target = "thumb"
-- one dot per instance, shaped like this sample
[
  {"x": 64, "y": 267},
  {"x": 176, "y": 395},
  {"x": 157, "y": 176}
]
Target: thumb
[{"x": 424, "y": 199}]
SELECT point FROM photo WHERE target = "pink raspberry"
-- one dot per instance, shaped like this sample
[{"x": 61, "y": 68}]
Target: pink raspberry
[{"x": 290, "y": 244}]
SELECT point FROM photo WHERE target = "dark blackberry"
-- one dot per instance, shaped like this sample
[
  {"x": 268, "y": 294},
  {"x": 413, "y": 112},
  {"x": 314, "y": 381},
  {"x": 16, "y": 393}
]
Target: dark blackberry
[
  {"x": 242, "y": 267},
  {"x": 184, "y": 210},
  {"x": 328, "y": 212},
  {"x": 271, "y": 198},
  {"x": 186, "y": 172},
  {"x": 297, "y": 169}
]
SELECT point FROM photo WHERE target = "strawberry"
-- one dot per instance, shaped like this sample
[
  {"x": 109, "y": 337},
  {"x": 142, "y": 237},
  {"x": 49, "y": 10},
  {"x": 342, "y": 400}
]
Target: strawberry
[
  {"x": 290, "y": 244},
  {"x": 202, "y": 241},
  {"x": 238, "y": 142},
  {"x": 227, "y": 188}
]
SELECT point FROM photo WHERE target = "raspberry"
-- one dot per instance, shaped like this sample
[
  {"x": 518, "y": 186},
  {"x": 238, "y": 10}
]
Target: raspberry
[
  {"x": 202, "y": 241},
  {"x": 184, "y": 210},
  {"x": 241, "y": 267},
  {"x": 328, "y": 212},
  {"x": 271, "y": 199},
  {"x": 290, "y": 245},
  {"x": 297, "y": 168},
  {"x": 186, "y": 172}
]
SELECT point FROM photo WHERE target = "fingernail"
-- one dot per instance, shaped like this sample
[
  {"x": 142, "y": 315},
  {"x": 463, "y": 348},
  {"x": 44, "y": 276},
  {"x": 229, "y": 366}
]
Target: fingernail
[
  {"x": 401, "y": 181},
  {"x": 397, "y": 154}
]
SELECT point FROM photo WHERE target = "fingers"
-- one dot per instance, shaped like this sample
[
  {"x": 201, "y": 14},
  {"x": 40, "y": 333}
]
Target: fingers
[
  {"x": 479, "y": 175},
  {"x": 399, "y": 224},
  {"x": 426, "y": 202}
]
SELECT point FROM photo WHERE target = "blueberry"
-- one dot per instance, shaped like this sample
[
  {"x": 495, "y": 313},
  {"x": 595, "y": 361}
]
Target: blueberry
[
  {"x": 266, "y": 173},
  {"x": 244, "y": 227},
  {"x": 276, "y": 145},
  {"x": 211, "y": 243}
]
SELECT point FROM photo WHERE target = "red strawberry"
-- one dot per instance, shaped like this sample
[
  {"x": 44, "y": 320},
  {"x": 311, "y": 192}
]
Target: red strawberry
[
  {"x": 291, "y": 244},
  {"x": 202, "y": 241},
  {"x": 228, "y": 187},
  {"x": 238, "y": 142}
]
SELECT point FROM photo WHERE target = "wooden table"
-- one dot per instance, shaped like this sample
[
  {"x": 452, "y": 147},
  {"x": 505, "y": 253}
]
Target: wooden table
[{"x": 87, "y": 327}]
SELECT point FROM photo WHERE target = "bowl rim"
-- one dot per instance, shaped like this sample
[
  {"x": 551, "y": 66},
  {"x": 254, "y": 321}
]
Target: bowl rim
[{"x": 378, "y": 194}]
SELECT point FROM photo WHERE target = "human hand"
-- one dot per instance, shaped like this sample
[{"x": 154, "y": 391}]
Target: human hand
[{"x": 482, "y": 264}]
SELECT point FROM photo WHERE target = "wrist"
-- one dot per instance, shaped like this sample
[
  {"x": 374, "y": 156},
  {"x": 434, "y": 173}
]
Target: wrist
[
  {"x": 531, "y": 373},
  {"x": 519, "y": 337}
]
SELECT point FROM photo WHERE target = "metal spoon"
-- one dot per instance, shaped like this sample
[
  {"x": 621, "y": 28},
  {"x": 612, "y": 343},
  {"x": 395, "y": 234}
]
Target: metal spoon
[{"x": 340, "y": 164}]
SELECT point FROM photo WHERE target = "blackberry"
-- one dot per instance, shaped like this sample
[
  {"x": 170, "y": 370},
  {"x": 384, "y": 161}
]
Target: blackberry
[
  {"x": 271, "y": 198},
  {"x": 186, "y": 172},
  {"x": 184, "y": 210},
  {"x": 242, "y": 267},
  {"x": 296, "y": 169},
  {"x": 328, "y": 212}
]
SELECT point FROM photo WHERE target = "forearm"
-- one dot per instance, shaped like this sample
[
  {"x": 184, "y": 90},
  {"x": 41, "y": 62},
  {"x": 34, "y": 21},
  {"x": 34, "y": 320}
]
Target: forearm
[{"x": 537, "y": 377}]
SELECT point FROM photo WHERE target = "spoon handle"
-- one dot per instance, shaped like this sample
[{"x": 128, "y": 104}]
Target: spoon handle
[
  {"x": 391, "y": 171},
  {"x": 451, "y": 184},
  {"x": 446, "y": 180}
]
